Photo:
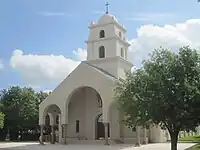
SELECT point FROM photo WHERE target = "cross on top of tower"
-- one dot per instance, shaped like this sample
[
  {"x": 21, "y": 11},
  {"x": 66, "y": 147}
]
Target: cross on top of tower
[{"x": 107, "y": 5}]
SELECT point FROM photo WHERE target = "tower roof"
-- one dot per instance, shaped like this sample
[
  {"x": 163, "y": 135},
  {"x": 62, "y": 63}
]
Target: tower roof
[{"x": 107, "y": 18}]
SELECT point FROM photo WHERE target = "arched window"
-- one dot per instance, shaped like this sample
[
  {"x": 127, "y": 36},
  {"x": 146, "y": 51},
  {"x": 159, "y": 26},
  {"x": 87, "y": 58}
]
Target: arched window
[
  {"x": 120, "y": 34},
  {"x": 102, "y": 34},
  {"x": 122, "y": 52},
  {"x": 101, "y": 52}
]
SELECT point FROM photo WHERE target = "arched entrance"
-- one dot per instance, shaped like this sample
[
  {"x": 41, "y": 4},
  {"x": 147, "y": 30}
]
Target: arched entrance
[
  {"x": 100, "y": 129},
  {"x": 84, "y": 105},
  {"x": 51, "y": 122}
]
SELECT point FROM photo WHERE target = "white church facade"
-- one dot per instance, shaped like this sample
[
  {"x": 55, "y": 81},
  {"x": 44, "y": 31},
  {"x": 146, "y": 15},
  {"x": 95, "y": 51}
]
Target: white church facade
[{"x": 82, "y": 107}]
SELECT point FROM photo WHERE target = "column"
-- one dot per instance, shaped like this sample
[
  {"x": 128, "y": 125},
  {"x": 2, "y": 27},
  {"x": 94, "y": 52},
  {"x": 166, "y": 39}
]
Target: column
[
  {"x": 65, "y": 133},
  {"x": 52, "y": 134},
  {"x": 137, "y": 136},
  {"x": 145, "y": 135},
  {"x": 106, "y": 133},
  {"x": 41, "y": 139},
  {"x": 60, "y": 130},
  {"x": 122, "y": 131}
]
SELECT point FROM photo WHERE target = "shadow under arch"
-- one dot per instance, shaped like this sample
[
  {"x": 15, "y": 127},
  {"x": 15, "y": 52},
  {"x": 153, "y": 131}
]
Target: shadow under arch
[
  {"x": 83, "y": 106},
  {"x": 69, "y": 98},
  {"x": 51, "y": 108}
]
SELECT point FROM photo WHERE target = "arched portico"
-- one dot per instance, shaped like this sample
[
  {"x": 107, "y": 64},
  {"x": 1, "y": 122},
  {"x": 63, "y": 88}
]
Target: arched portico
[
  {"x": 50, "y": 122},
  {"x": 83, "y": 106},
  {"x": 100, "y": 128}
]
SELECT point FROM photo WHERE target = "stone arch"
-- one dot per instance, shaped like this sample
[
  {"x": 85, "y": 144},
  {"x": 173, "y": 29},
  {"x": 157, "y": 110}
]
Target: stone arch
[
  {"x": 48, "y": 110},
  {"x": 105, "y": 93},
  {"x": 83, "y": 105},
  {"x": 81, "y": 87}
]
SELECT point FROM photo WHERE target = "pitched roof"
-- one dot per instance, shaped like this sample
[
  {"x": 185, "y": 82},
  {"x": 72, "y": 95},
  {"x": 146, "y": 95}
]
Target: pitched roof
[{"x": 103, "y": 71}]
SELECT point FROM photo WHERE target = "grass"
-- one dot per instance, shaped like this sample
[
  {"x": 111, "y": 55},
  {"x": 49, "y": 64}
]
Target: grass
[
  {"x": 195, "y": 147},
  {"x": 193, "y": 139}
]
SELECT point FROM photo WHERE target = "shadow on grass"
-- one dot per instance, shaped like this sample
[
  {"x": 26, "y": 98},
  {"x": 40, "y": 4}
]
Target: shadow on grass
[{"x": 197, "y": 138}]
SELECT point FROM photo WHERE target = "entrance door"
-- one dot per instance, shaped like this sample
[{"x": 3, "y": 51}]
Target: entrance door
[{"x": 101, "y": 128}]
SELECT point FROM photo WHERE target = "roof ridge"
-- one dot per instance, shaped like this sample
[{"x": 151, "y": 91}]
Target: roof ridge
[{"x": 102, "y": 70}]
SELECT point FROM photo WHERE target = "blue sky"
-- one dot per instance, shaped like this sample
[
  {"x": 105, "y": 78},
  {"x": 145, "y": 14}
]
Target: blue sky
[{"x": 59, "y": 27}]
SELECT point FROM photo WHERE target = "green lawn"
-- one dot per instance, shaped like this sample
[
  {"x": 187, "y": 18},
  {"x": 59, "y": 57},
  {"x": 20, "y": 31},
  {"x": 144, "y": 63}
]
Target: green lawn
[{"x": 194, "y": 139}]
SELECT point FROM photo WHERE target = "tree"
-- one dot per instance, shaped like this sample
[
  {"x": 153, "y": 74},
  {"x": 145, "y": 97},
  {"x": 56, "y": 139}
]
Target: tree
[
  {"x": 165, "y": 91},
  {"x": 20, "y": 108},
  {"x": 1, "y": 120}
]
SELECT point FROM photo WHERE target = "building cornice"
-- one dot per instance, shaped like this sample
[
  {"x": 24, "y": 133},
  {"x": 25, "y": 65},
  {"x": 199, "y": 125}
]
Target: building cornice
[
  {"x": 101, "y": 25},
  {"x": 109, "y": 59},
  {"x": 110, "y": 38}
]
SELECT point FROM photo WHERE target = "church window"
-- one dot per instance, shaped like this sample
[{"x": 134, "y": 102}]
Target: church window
[
  {"x": 102, "y": 34},
  {"x": 122, "y": 52},
  {"x": 101, "y": 52},
  {"x": 120, "y": 34},
  {"x": 77, "y": 126}
]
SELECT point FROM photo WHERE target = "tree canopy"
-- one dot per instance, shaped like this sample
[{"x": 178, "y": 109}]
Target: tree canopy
[
  {"x": 165, "y": 91},
  {"x": 21, "y": 108}
]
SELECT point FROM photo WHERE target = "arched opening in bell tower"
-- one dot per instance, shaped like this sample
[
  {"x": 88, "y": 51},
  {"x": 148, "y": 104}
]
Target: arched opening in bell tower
[
  {"x": 102, "y": 34},
  {"x": 101, "y": 52}
]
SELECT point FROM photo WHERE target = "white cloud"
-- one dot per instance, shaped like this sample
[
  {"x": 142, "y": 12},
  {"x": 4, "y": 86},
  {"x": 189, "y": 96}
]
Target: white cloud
[
  {"x": 81, "y": 54},
  {"x": 1, "y": 64},
  {"x": 152, "y": 16},
  {"x": 174, "y": 36},
  {"x": 40, "y": 70}
]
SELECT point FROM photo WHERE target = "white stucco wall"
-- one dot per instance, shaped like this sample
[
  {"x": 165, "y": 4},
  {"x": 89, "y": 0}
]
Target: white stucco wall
[
  {"x": 76, "y": 112},
  {"x": 78, "y": 78},
  {"x": 109, "y": 44},
  {"x": 92, "y": 112},
  {"x": 157, "y": 135}
]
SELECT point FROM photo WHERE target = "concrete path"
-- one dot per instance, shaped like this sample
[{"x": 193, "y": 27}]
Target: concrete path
[{"x": 36, "y": 146}]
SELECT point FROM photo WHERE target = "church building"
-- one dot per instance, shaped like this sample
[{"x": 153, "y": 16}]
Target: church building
[{"x": 82, "y": 108}]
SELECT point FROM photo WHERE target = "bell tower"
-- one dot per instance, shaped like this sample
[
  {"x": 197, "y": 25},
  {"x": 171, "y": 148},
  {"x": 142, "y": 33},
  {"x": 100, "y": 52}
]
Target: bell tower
[
  {"x": 107, "y": 47},
  {"x": 107, "y": 39}
]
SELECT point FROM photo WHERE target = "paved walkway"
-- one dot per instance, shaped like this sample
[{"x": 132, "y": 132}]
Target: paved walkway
[{"x": 36, "y": 146}]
